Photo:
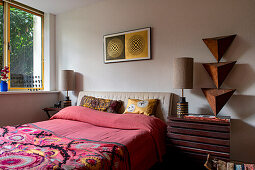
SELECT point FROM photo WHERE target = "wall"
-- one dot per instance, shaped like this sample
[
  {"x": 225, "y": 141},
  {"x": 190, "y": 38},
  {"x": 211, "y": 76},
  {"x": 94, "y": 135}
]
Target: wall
[
  {"x": 178, "y": 27},
  {"x": 49, "y": 52},
  {"x": 20, "y": 107}
]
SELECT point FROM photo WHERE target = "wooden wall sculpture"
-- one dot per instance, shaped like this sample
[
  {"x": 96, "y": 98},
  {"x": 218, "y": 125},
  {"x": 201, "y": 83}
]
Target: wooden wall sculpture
[{"x": 218, "y": 72}]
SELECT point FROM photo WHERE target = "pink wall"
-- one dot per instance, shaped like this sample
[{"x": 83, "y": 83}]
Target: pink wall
[{"x": 20, "y": 108}]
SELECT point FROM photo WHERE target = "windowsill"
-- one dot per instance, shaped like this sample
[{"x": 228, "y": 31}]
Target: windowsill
[{"x": 27, "y": 92}]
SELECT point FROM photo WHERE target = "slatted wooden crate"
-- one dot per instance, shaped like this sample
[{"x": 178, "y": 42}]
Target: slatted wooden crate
[{"x": 197, "y": 136}]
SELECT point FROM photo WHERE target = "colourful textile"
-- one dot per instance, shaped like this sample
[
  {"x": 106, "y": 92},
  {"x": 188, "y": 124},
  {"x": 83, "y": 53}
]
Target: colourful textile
[
  {"x": 105, "y": 105},
  {"x": 28, "y": 146},
  {"x": 140, "y": 143},
  {"x": 152, "y": 125},
  {"x": 146, "y": 107}
]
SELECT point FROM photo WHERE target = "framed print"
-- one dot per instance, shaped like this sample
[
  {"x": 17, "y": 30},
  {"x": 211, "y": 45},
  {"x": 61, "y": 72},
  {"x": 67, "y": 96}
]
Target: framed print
[{"x": 127, "y": 46}]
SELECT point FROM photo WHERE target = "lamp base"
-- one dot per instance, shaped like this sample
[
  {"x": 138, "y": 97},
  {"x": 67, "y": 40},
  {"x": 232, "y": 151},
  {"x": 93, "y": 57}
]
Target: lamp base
[
  {"x": 182, "y": 106},
  {"x": 67, "y": 102}
]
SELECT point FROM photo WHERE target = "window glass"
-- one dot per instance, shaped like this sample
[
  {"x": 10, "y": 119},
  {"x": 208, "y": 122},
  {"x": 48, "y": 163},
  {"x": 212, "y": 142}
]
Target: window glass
[
  {"x": 1, "y": 36},
  {"x": 25, "y": 49}
]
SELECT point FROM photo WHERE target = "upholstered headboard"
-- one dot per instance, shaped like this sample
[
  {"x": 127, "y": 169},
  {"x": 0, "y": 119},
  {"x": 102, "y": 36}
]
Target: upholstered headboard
[{"x": 163, "y": 110}]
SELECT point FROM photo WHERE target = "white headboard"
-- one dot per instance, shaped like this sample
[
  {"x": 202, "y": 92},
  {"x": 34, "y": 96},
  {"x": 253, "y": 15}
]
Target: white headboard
[{"x": 163, "y": 110}]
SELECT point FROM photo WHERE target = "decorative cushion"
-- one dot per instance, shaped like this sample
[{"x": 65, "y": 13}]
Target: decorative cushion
[
  {"x": 105, "y": 105},
  {"x": 216, "y": 164},
  {"x": 146, "y": 107}
]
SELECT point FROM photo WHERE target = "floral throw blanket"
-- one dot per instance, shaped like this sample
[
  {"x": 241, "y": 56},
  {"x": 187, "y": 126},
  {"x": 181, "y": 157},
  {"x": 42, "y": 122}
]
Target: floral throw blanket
[{"x": 30, "y": 147}]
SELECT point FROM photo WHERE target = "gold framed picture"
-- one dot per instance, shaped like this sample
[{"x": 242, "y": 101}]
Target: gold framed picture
[{"x": 128, "y": 46}]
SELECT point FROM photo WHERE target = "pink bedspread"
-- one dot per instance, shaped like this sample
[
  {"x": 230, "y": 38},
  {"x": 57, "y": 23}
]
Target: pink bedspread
[{"x": 138, "y": 137}]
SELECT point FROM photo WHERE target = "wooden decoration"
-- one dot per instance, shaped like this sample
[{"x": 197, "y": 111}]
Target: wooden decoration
[
  {"x": 219, "y": 71},
  {"x": 217, "y": 98},
  {"x": 219, "y": 45}
]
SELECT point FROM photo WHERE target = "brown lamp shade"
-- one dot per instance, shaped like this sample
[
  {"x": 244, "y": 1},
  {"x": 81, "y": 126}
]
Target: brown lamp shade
[
  {"x": 68, "y": 80},
  {"x": 183, "y": 73}
]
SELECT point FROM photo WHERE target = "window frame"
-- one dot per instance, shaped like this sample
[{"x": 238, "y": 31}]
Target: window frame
[{"x": 6, "y": 54}]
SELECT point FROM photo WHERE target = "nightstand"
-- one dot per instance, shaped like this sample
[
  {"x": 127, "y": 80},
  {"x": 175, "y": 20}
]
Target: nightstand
[
  {"x": 51, "y": 109},
  {"x": 196, "y": 136}
]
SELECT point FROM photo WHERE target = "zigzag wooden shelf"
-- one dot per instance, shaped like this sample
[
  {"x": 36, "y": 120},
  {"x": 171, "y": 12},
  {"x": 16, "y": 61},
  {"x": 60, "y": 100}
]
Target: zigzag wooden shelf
[
  {"x": 219, "y": 45},
  {"x": 219, "y": 71},
  {"x": 217, "y": 98}
]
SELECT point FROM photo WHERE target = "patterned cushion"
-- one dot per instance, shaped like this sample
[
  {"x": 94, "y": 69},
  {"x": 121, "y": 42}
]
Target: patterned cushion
[
  {"x": 105, "y": 105},
  {"x": 146, "y": 107}
]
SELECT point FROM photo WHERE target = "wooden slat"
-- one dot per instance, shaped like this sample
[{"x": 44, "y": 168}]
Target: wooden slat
[
  {"x": 199, "y": 132},
  {"x": 218, "y": 148},
  {"x": 203, "y": 157},
  {"x": 199, "y": 139},
  {"x": 224, "y": 121},
  {"x": 219, "y": 154},
  {"x": 196, "y": 138},
  {"x": 218, "y": 128}
]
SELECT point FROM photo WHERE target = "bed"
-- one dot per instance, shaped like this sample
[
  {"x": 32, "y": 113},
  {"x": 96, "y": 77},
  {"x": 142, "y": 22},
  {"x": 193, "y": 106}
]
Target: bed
[{"x": 82, "y": 138}]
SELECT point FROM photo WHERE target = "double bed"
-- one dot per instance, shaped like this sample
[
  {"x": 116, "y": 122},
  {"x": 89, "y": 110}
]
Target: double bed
[{"x": 82, "y": 138}]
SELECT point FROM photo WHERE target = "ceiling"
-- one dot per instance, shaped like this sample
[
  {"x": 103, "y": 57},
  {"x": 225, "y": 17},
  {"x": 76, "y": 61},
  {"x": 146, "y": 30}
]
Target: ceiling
[{"x": 56, "y": 6}]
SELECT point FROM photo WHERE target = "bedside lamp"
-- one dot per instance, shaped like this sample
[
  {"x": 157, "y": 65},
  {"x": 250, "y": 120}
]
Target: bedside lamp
[
  {"x": 183, "y": 79},
  {"x": 67, "y": 85}
]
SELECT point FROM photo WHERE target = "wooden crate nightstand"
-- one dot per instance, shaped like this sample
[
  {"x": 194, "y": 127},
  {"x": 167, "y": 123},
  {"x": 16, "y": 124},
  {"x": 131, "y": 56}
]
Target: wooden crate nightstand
[{"x": 197, "y": 136}]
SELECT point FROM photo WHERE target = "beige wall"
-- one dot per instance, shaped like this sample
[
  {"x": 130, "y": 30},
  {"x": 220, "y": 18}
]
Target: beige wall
[
  {"x": 177, "y": 29},
  {"x": 20, "y": 108}
]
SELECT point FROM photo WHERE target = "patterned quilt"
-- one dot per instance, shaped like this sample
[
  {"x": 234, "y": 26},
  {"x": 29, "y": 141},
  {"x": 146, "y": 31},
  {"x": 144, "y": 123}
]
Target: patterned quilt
[{"x": 30, "y": 147}]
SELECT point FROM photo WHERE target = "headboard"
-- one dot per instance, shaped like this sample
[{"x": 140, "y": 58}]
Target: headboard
[{"x": 163, "y": 110}]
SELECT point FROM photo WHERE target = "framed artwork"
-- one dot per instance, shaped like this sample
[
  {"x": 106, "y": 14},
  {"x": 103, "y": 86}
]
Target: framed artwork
[{"x": 127, "y": 46}]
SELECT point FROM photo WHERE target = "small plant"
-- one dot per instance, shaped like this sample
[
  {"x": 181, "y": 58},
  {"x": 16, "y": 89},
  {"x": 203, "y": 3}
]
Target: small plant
[{"x": 4, "y": 75}]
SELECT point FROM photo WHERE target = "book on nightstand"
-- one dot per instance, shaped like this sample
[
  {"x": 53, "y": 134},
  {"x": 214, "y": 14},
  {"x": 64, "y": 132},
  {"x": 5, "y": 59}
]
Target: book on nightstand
[{"x": 205, "y": 117}]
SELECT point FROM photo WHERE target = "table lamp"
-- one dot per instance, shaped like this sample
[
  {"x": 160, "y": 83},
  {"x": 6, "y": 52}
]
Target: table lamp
[
  {"x": 68, "y": 80},
  {"x": 183, "y": 79}
]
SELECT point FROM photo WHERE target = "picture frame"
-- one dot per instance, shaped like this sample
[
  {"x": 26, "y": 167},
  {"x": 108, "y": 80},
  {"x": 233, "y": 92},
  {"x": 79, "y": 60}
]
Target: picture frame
[{"x": 128, "y": 46}]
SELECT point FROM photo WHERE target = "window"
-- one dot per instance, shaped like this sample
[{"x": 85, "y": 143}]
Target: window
[
  {"x": 1, "y": 35},
  {"x": 24, "y": 46}
]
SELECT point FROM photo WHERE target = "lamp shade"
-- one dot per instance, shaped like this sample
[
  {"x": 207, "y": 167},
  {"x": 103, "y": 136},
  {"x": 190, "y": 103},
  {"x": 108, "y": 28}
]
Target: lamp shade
[
  {"x": 68, "y": 80},
  {"x": 183, "y": 73}
]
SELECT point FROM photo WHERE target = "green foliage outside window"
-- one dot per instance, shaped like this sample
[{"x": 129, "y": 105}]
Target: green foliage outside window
[{"x": 21, "y": 41}]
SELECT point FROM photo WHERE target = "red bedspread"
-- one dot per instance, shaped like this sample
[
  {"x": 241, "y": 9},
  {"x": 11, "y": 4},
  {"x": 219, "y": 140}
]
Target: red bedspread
[{"x": 79, "y": 137}]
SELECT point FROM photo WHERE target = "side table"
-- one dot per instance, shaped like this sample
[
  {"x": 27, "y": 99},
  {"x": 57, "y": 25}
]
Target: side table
[
  {"x": 196, "y": 136},
  {"x": 50, "y": 109}
]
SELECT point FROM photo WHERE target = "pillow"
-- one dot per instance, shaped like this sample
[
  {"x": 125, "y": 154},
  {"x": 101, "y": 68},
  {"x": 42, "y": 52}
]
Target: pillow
[
  {"x": 105, "y": 105},
  {"x": 146, "y": 107},
  {"x": 87, "y": 101}
]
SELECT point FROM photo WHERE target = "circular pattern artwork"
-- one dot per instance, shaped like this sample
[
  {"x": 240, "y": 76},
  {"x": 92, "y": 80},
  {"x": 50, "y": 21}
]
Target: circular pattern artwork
[
  {"x": 16, "y": 138},
  {"x": 143, "y": 103},
  {"x": 48, "y": 140},
  {"x": 91, "y": 162},
  {"x": 131, "y": 108},
  {"x": 27, "y": 130},
  {"x": 19, "y": 160},
  {"x": 115, "y": 48},
  {"x": 136, "y": 45},
  {"x": 87, "y": 145}
]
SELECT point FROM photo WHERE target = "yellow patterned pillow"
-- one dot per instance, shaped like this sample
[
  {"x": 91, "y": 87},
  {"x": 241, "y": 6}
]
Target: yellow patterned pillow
[
  {"x": 105, "y": 105},
  {"x": 146, "y": 107}
]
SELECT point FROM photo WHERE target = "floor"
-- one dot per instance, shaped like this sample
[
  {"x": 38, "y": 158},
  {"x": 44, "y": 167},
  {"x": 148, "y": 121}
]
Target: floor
[{"x": 178, "y": 161}]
